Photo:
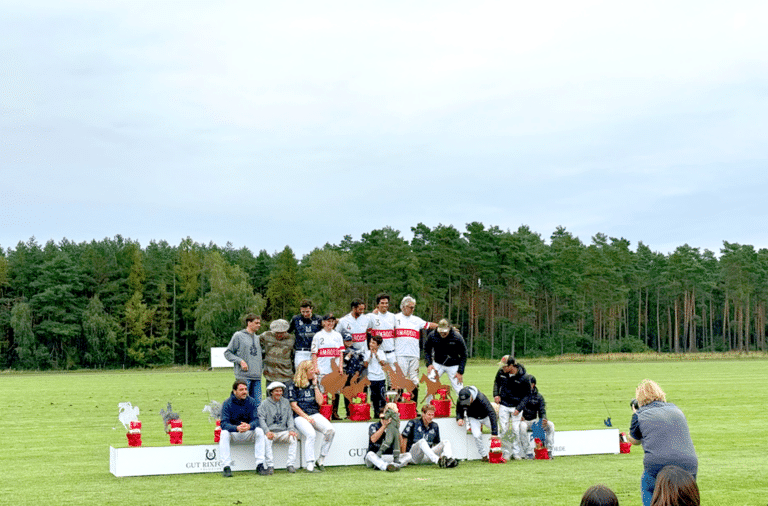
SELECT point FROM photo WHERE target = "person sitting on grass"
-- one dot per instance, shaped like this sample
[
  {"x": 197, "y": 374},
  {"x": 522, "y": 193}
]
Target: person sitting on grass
[
  {"x": 384, "y": 461},
  {"x": 422, "y": 440}
]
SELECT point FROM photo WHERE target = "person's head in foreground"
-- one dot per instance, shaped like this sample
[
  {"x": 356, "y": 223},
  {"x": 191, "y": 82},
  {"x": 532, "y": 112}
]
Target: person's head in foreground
[
  {"x": 599, "y": 495},
  {"x": 675, "y": 487}
]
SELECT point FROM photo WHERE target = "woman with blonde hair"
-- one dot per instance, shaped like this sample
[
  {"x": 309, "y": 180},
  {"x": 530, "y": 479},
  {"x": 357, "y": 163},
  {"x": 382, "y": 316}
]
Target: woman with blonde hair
[
  {"x": 675, "y": 487},
  {"x": 305, "y": 398},
  {"x": 662, "y": 429}
]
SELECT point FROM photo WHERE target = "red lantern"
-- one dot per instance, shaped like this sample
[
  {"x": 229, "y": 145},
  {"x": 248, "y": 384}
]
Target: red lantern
[
  {"x": 134, "y": 434},
  {"x": 176, "y": 432}
]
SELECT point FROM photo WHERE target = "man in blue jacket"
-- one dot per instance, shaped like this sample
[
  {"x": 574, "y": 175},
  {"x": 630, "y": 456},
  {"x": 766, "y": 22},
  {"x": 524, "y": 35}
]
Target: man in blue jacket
[{"x": 240, "y": 424}]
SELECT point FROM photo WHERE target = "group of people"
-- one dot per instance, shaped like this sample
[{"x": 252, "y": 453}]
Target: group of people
[
  {"x": 295, "y": 356},
  {"x": 359, "y": 342},
  {"x": 299, "y": 353}
]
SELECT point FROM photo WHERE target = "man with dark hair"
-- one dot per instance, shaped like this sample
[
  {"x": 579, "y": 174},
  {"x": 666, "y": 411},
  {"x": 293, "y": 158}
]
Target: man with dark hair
[
  {"x": 304, "y": 326},
  {"x": 533, "y": 408},
  {"x": 422, "y": 440},
  {"x": 476, "y": 408},
  {"x": 446, "y": 352},
  {"x": 355, "y": 323},
  {"x": 382, "y": 323},
  {"x": 244, "y": 350},
  {"x": 510, "y": 386},
  {"x": 240, "y": 424}
]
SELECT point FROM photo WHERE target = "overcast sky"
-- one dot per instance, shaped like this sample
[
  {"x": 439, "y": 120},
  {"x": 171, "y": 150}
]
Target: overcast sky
[{"x": 296, "y": 123}]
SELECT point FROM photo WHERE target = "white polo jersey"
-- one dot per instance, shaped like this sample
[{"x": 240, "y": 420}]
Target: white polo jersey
[
  {"x": 357, "y": 328},
  {"x": 328, "y": 346},
  {"x": 407, "y": 335},
  {"x": 383, "y": 325}
]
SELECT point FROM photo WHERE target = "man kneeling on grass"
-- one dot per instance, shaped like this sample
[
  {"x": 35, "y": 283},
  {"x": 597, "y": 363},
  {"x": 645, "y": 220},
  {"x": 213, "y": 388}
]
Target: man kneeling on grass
[
  {"x": 422, "y": 440},
  {"x": 276, "y": 416},
  {"x": 240, "y": 424}
]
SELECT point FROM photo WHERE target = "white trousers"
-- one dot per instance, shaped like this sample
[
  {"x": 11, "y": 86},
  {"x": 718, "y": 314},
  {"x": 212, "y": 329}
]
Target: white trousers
[
  {"x": 506, "y": 415},
  {"x": 410, "y": 368},
  {"x": 280, "y": 437},
  {"x": 373, "y": 460},
  {"x": 476, "y": 425},
  {"x": 308, "y": 433},
  {"x": 422, "y": 453},
  {"x": 299, "y": 357},
  {"x": 525, "y": 440},
  {"x": 227, "y": 438},
  {"x": 452, "y": 370}
]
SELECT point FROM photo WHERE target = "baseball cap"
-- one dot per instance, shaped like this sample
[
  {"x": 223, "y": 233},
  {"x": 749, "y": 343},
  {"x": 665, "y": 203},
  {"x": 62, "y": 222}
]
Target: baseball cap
[
  {"x": 465, "y": 397},
  {"x": 329, "y": 316},
  {"x": 507, "y": 360},
  {"x": 443, "y": 325}
]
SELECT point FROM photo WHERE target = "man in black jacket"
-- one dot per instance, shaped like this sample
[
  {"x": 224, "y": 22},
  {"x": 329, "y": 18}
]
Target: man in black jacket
[
  {"x": 476, "y": 408},
  {"x": 533, "y": 408},
  {"x": 445, "y": 351},
  {"x": 510, "y": 386}
]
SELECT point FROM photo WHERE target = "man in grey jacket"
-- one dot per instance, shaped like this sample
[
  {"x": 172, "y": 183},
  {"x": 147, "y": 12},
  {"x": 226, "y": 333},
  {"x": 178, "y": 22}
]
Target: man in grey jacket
[
  {"x": 276, "y": 417},
  {"x": 244, "y": 350}
]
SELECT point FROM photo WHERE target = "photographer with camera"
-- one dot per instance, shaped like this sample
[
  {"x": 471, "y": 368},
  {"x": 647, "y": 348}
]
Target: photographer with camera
[{"x": 662, "y": 429}]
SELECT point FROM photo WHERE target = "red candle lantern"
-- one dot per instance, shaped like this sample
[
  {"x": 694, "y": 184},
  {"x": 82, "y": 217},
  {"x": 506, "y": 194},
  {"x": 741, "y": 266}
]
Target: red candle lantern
[
  {"x": 175, "y": 432},
  {"x": 495, "y": 455},
  {"x": 134, "y": 434}
]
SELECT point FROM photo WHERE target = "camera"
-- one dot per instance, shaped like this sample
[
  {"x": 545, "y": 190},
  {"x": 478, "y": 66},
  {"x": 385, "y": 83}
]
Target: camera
[{"x": 634, "y": 404}]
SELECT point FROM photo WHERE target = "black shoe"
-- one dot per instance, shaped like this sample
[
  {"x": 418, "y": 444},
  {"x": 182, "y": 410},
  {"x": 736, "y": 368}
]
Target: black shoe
[
  {"x": 290, "y": 469},
  {"x": 226, "y": 472},
  {"x": 319, "y": 467},
  {"x": 392, "y": 468},
  {"x": 442, "y": 461},
  {"x": 261, "y": 470},
  {"x": 452, "y": 463}
]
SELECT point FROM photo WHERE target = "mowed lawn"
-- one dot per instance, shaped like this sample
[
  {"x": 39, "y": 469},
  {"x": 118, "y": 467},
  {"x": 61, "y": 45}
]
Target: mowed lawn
[{"x": 57, "y": 429}]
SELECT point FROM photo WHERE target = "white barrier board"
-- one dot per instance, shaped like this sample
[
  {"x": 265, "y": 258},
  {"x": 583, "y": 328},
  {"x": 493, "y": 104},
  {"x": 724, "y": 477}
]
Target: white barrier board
[
  {"x": 180, "y": 459},
  {"x": 349, "y": 447},
  {"x": 217, "y": 358}
]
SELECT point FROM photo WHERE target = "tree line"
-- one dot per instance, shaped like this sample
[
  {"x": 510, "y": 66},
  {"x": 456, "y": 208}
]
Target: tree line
[{"x": 112, "y": 303}]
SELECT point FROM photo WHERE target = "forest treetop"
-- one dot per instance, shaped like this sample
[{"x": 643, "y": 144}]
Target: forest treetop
[{"x": 111, "y": 303}]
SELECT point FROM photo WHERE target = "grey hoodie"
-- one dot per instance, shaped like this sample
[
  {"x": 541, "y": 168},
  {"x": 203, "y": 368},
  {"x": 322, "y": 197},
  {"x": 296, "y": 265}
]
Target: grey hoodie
[
  {"x": 245, "y": 346},
  {"x": 276, "y": 416}
]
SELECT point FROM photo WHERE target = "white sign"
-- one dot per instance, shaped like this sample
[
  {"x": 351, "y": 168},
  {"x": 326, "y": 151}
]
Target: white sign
[{"x": 217, "y": 358}]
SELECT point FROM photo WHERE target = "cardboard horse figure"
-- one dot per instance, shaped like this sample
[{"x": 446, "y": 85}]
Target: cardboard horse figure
[
  {"x": 397, "y": 379},
  {"x": 355, "y": 387},
  {"x": 391, "y": 438},
  {"x": 432, "y": 386},
  {"x": 335, "y": 380}
]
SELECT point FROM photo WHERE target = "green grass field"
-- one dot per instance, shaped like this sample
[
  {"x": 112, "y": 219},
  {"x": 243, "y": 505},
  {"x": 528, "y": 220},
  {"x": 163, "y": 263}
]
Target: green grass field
[{"x": 57, "y": 429}]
